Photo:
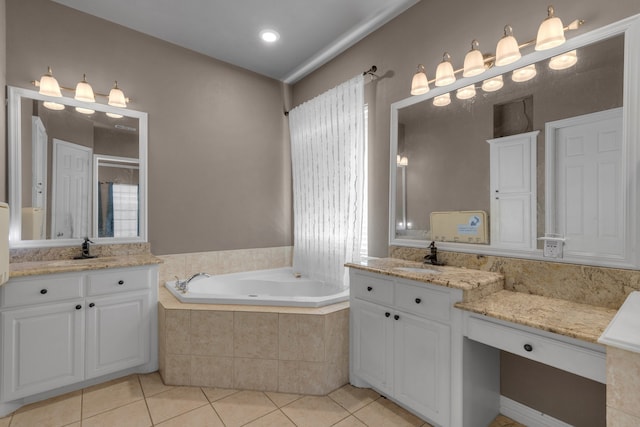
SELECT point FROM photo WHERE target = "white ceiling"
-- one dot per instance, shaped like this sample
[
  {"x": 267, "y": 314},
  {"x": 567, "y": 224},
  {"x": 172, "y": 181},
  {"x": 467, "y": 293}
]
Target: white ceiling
[{"x": 312, "y": 32}]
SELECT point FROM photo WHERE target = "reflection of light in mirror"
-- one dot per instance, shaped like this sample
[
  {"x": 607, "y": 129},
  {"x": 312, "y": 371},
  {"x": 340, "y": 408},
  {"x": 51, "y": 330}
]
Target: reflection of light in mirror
[
  {"x": 114, "y": 115},
  {"x": 492, "y": 84},
  {"x": 420, "y": 83},
  {"x": 563, "y": 61},
  {"x": 442, "y": 100},
  {"x": 85, "y": 110},
  {"x": 409, "y": 225},
  {"x": 466, "y": 92},
  {"x": 507, "y": 50},
  {"x": 444, "y": 72},
  {"x": 402, "y": 161},
  {"x": 53, "y": 106},
  {"x": 524, "y": 74}
]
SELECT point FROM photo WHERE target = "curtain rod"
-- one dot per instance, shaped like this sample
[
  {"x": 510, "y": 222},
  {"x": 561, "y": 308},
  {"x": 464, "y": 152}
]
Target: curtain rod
[{"x": 370, "y": 71}]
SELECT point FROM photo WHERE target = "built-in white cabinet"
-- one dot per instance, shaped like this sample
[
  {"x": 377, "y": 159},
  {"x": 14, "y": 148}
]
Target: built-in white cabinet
[
  {"x": 401, "y": 342},
  {"x": 65, "y": 329},
  {"x": 513, "y": 191}
]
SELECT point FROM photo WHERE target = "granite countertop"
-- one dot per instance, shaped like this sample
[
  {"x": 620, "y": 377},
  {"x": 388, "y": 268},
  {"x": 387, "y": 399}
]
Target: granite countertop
[
  {"x": 34, "y": 268},
  {"x": 582, "y": 321},
  {"x": 475, "y": 284}
]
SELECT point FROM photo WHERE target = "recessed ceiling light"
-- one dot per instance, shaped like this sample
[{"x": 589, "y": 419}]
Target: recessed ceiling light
[{"x": 269, "y": 36}]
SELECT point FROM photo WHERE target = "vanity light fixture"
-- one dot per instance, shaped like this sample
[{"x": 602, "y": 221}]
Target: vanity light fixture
[
  {"x": 466, "y": 92},
  {"x": 473, "y": 61},
  {"x": 564, "y": 61},
  {"x": 419, "y": 83},
  {"x": 507, "y": 50},
  {"x": 49, "y": 86},
  {"x": 493, "y": 84},
  {"x": 442, "y": 100},
  {"x": 269, "y": 36},
  {"x": 550, "y": 32},
  {"x": 84, "y": 93},
  {"x": 116, "y": 99},
  {"x": 444, "y": 72},
  {"x": 524, "y": 74},
  {"x": 402, "y": 161}
]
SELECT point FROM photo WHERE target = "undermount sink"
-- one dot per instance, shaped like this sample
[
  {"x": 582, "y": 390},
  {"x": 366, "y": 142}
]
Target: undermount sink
[{"x": 418, "y": 270}]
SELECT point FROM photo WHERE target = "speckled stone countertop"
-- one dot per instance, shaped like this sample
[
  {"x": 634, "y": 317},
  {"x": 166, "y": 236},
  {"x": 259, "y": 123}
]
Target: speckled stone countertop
[
  {"x": 475, "y": 284},
  {"x": 581, "y": 321},
  {"x": 34, "y": 268}
]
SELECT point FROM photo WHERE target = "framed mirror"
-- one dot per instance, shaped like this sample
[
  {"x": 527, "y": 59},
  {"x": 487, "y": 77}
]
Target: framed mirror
[
  {"x": 449, "y": 161},
  {"x": 74, "y": 175}
]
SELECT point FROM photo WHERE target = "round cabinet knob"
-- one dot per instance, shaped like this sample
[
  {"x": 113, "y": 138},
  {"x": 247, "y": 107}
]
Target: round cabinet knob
[
  {"x": 369, "y": 288},
  {"x": 92, "y": 305},
  {"x": 120, "y": 282},
  {"x": 418, "y": 300},
  {"x": 387, "y": 314},
  {"x": 78, "y": 307},
  {"x": 528, "y": 347},
  {"x": 43, "y": 291},
  {"x": 396, "y": 317}
]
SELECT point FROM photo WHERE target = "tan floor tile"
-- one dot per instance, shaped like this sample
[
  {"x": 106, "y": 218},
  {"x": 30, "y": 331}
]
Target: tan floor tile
[
  {"x": 282, "y": 399},
  {"x": 315, "y": 411},
  {"x": 4, "y": 422},
  {"x": 383, "y": 412},
  {"x": 57, "y": 411},
  {"x": 175, "y": 402},
  {"x": 242, "y": 407},
  {"x": 350, "y": 422},
  {"x": 110, "y": 395},
  {"x": 152, "y": 384},
  {"x": 502, "y": 421},
  {"x": 353, "y": 398},
  {"x": 214, "y": 394},
  {"x": 274, "y": 419},
  {"x": 134, "y": 414},
  {"x": 204, "y": 416}
]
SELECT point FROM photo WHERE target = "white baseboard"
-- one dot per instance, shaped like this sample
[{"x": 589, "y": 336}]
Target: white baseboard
[{"x": 528, "y": 416}]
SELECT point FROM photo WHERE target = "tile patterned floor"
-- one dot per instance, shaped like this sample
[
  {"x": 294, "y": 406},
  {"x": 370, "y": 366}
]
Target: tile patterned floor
[{"x": 143, "y": 400}]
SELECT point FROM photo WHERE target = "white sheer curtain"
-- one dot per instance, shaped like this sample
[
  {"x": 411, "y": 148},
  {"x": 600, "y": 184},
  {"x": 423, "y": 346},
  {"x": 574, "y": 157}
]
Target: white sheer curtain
[{"x": 327, "y": 154}]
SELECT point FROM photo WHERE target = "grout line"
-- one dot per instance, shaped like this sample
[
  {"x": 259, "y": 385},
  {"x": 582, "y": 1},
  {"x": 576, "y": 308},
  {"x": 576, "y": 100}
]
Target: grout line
[{"x": 145, "y": 400}]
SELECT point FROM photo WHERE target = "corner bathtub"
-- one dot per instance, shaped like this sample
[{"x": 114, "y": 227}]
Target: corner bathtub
[{"x": 277, "y": 287}]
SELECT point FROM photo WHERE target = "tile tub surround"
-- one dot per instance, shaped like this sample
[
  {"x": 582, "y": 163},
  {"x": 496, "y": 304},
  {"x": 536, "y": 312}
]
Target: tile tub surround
[
  {"x": 597, "y": 286},
  {"x": 623, "y": 387},
  {"x": 279, "y": 349}
]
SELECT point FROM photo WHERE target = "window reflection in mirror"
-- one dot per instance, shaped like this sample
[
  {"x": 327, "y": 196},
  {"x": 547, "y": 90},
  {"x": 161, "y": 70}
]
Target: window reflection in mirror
[{"x": 448, "y": 157}]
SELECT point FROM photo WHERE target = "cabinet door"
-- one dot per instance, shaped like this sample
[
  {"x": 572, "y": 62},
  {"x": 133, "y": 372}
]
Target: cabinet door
[
  {"x": 422, "y": 367},
  {"x": 42, "y": 348},
  {"x": 371, "y": 344},
  {"x": 118, "y": 333}
]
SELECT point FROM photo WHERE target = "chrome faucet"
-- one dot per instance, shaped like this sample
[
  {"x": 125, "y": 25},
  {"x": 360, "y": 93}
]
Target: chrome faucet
[
  {"x": 432, "y": 257},
  {"x": 86, "y": 250},
  {"x": 183, "y": 285}
]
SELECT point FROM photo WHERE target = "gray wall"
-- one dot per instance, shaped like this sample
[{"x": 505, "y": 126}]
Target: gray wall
[
  {"x": 219, "y": 167},
  {"x": 421, "y": 35}
]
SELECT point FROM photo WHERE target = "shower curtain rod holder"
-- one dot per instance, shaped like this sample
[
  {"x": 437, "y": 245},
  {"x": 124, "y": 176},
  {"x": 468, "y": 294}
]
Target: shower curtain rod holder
[{"x": 371, "y": 71}]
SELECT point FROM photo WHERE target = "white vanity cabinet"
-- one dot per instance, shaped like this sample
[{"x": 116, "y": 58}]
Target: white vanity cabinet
[
  {"x": 69, "y": 328},
  {"x": 401, "y": 342}
]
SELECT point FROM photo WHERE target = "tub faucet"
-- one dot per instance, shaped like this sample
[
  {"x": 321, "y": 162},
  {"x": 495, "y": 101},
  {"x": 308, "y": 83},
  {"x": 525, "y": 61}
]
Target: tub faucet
[
  {"x": 432, "y": 257},
  {"x": 183, "y": 285},
  {"x": 197, "y": 275}
]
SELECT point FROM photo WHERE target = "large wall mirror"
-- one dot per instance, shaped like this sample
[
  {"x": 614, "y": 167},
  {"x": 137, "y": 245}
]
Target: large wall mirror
[
  {"x": 507, "y": 158},
  {"x": 74, "y": 175}
]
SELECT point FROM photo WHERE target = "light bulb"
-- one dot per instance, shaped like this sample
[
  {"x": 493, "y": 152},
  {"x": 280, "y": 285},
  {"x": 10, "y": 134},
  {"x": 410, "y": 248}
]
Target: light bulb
[
  {"x": 473, "y": 61},
  {"x": 444, "y": 72},
  {"x": 507, "y": 50},
  {"x": 419, "y": 83},
  {"x": 550, "y": 32}
]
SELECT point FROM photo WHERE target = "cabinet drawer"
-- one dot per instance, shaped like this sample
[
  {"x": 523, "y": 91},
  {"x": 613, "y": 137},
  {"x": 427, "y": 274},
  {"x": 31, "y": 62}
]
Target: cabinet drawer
[
  {"x": 108, "y": 282},
  {"x": 39, "y": 290},
  {"x": 423, "y": 301},
  {"x": 372, "y": 289},
  {"x": 565, "y": 355}
]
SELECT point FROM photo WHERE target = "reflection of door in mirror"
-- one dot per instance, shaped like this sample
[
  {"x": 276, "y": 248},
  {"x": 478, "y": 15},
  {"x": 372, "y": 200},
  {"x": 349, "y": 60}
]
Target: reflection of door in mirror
[
  {"x": 116, "y": 196},
  {"x": 70, "y": 217},
  {"x": 34, "y": 226}
]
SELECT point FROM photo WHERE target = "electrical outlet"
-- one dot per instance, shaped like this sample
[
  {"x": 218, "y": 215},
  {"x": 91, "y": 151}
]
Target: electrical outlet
[{"x": 553, "y": 248}]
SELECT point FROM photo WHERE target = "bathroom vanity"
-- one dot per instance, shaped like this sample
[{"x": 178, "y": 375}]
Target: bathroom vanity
[{"x": 73, "y": 323}]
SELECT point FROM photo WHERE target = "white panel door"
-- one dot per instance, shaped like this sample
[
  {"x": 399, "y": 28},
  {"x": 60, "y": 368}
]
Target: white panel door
[
  {"x": 118, "y": 333},
  {"x": 372, "y": 344},
  {"x": 70, "y": 193},
  {"x": 589, "y": 183},
  {"x": 42, "y": 348}
]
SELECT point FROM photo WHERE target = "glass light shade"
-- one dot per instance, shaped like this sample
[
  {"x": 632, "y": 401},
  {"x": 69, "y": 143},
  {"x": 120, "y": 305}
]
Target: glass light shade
[
  {"x": 563, "y": 61},
  {"x": 507, "y": 50},
  {"x": 473, "y": 61},
  {"x": 492, "y": 84},
  {"x": 466, "y": 92},
  {"x": 444, "y": 72},
  {"x": 114, "y": 115},
  {"x": 404, "y": 161},
  {"x": 85, "y": 110},
  {"x": 524, "y": 74},
  {"x": 419, "y": 83},
  {"x": 442, "y": 100},
  {"x": 84, "y": 92},
  {"x": 49, "y": 85},
  {"x": 116, "y": 97},
  {"x": 550, "y": 32},
  {"x": 53, "y": 105}
]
